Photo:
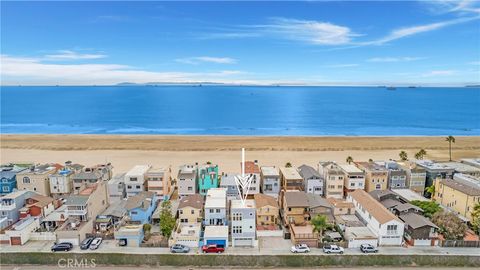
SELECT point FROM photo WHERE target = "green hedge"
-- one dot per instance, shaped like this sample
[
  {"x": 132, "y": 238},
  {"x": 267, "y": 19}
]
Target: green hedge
[{"x": 295, "y": 260}]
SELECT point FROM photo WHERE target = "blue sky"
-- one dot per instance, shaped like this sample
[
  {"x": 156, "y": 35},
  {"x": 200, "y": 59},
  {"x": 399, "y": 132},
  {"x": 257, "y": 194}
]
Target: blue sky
[{"x": 408, "y": 42}]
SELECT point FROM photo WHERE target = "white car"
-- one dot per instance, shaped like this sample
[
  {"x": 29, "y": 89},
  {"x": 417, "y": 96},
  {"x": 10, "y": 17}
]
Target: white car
[
  {"x": 332, "y": 249},
  {"x": 301, "y": 248},
  {"x": 96, "y": 243}
]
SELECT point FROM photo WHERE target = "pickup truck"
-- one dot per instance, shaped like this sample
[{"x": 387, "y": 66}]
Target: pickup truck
[{"x": 212, "y": 249}]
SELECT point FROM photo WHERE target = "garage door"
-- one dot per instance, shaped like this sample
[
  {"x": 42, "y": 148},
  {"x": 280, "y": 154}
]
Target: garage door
[
  {"x": 243, "y": 242},
  {"x": 15, "y": 241},
  {"x": 73, "y": 241},
  {"x": 220, "y": 243}
]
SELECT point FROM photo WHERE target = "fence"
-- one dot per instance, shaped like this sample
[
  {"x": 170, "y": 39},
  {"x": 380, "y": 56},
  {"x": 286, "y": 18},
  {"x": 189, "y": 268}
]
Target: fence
[{"x": 459, "y": 243}]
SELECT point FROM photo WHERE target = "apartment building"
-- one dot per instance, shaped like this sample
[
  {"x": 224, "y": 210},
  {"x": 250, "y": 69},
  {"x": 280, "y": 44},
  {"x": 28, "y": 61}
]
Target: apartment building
[
  {"x": 207, "y": 178},
  {"x": 243, "y": 223},
  {"x": 334, "y": 179},
  {"x": 435, "y": 170},
  {"x": 459, "y": 194},
  {"x": 135, "y": 180},
  {"x": 186, "y": 180},
  {"x": 159, "y": 180},
  {"x": 312, "y": 180},
  {"x": 291, "y": 179},
  {"x": 216, "y": 207},
  {"x": 270, "y": 180},
  {"x": 116, "y": 188},
  {"x": 376, "y": 176},
  {"x": 354, "y": 178},
  {"x": 61, "y": 182},
  {"x": 90, "y": 176},
  {"x": 190, "y": 209},
  {"x": 36, "y": 178},
  {"x": 416, "y": 176},
  {"x": 384, "y": 224}
]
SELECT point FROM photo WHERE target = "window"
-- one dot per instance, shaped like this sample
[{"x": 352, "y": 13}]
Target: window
[
  {"x": 4, "y": 180},
  {"x": 26, "y": 180},
  {"x": 5, "y": 189},
  {"x": 237, "y": 216},
  {"x": 180, "y": 212},
  {"x": 217, "y": 210},
  {"x": 190, "y": 188},
  {"x": 192, "y": 211},
  {"x": 211, "y": 211},
  {"x": 237, "y": 229},
  {"x": 133, "y": 179},
  {"x": 138, "y": 187}
]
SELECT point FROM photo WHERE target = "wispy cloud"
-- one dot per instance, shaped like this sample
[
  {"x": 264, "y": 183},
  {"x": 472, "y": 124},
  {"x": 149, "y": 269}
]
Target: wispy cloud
[
  {"x": 17, "y": 70},
  {"x": 71, "y": 55},
  {"x": 435, "y": 73},
  {"x": 414, "y": 30},
  {"x": 314, "y": 32},
  {"x": 394, "y": 59},
  {"x": 206, "y": 59},
  {"x": 453, "y": 6}
]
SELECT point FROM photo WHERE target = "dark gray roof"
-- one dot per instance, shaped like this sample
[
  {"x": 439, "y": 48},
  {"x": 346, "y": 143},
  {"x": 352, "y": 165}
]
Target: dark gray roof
[
  {"x": 378, "y": 194},
  {"x": 317, "y": 200},
  {"x": 117, "y": 209},
  {"x": 416, "y": 221},
  {"x": 77, "y": 200},
  {"x": 389, "y": 203},
  {"x": 95, "y": 175},
  {"x": 406, "y": 206},
  {"x": 308, "y": 172},
  {"x": 468, "y": 187},
  {"x": 296, "y": 199},
  {"x": 141, "y": 200}
]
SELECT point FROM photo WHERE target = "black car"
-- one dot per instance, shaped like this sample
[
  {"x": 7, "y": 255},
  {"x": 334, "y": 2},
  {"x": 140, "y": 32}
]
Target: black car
[
  {"x": 62, "y": 247},
  {"x": 86, "y": 243}
]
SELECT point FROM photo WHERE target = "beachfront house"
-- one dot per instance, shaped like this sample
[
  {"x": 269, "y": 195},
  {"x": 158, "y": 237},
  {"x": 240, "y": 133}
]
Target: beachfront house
[
  {"x": 334, "y": 179},
  {"x": 36, "y": 178},
  {"x": 376, "y": 176},
  {"x": 270, "y": 181},
  {"x": 116, "y": 188},
  {"x": 354, "y": 178},
  {"x": 291, "y": 179},
  {"x": 207, "y": 178},
  {"x": 8, "y": 179},
  {"x": 135, "y": 180},
  {"x": 216, "y": 207},
  {"x": 416, "y": 176},
  {"x": 312, "y": 180},
  {"x": 228, "y": 182},
  {"x": 317, "y": 205},
  {"x": 435, "y": 170},
  {"x": 159, "y": 180},
  {"x": 141, "y": 206},
  {"x": 295, "y": 208},
  {"x": 242, "y": 223},
  {"x": 384, "y": 224},
  {"x": 10, "y": 206},
  {"x": 253, "y": 171},
  {"x": 186, "y": 180}
]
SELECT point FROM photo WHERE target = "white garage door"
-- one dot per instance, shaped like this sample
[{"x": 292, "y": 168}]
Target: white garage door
[
  {"x": 74, "y": 241},
  {"x": 243, "y": 242},
  {"x": 357, "y": 243}
]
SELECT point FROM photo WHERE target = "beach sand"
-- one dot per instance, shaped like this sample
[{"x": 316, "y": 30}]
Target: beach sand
[{"x": 125, "y": 151}]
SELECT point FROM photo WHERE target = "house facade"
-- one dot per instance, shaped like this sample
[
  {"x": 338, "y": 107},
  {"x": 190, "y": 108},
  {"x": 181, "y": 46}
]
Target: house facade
[
  {"x": 36, "y": 178},
  {"x": 216, "y": 207},
  {"x": 435, "y": 170},
  {"x": 186, "y": 180},
  {"x": 37, "y": 205},
  {"x": 334, "y": 179},
  {"x": 135, "y": 180},
  {"x": 383, "y": 223},
  {"x": 252, "y": 170},
  {"x": 243, "y": 223},
  {"x": 116, "y": 188},
  {"x": 8, "y": 179},
  {"x": 267, "y": 210},
  {"x": 291, "y": 179},
  {"x": 295, "y": 208},
  {"x": 317, "y": 205},
  {"x": 354, "y": 178},
  {"x": 159, "y": 180},
  {"x": 416, "y": 177},
  {"x": 190, "y": 209},
  {"x": 141, "y": 206},
  {"x": 10, "y": 206},
  {"x": 312, "y": 180},
  {"x": 270, "y": 181},
  {"x": 228, "y": 182},
  {"x": 207, "y": 178},
  {"x": 376, "y": 176},
  {"x": 61, "y": 182}
]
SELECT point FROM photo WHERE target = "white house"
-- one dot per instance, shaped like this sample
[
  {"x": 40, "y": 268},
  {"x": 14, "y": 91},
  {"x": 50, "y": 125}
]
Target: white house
[
  {"x": 312, "y": 180},
  {"x": 116, "y": 188},
  {"x": 20, "y": 232},
  {"x": 354, "y": 178},
  {"x": 187, "y": 235},
  {"x": 216, "y": 207},
  {"x": 243, "y": 223},
  {"x": 135, "y": 180},
  {"x": 252, "y": 169},
  {"x": 61, "y": 182},
  {"x": 186, "y": 180},
  {"x": 384, "y": 224},
  {"x": 216, "y": 235}
]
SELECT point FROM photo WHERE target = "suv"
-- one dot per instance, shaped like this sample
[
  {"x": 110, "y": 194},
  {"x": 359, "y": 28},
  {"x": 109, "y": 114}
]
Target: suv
[
  {"x": 64, "y": 246},
  {"x": 367, "y": 248},
  {"x": 332, "y": 249},
  {"x": 86, "y": 243},
  {"x": 95, "y": 243},
  {"x": 212, "y": 249},
  {"x": 177, "y": 248},
  {"x": 301, "y": 248}
]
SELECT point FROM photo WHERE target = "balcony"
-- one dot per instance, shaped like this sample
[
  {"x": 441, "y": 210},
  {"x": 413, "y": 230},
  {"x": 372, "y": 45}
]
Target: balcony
[{"x": 77, "y": 212}]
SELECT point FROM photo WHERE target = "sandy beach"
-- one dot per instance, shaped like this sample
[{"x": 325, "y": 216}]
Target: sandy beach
[{"x": 125, "y": 151}]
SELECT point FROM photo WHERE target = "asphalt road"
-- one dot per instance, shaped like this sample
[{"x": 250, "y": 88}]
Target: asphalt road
[{"x": 50, "y": 267}]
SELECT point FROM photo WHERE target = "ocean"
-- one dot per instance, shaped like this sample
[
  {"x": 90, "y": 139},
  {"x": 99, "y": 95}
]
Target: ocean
[{"x": 240, "y": 110}]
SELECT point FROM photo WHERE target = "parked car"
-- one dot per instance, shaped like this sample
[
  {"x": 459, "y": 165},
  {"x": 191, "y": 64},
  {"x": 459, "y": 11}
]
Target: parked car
[
  {"x": 177, "y": 248},
  {"x": 300, "y": 248},
  {"x": 86, "y": 243},
  {"x": 95, "y": 243},
  {"x": 333, "y": 249},
  {"x": 212, "y": 249},
  {"x": 367, "y": 248},
  {"x": 64, "y": 246}
]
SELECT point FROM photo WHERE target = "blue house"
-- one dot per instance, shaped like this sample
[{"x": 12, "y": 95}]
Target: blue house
[
  {"x": 140, "y": 207},
  {"x": 8, "y": 180},
  {"x": 207, "y": 178}
]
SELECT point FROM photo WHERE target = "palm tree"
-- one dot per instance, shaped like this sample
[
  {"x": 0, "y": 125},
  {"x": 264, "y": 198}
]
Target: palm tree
[
  {"x": 288, "y": 165},
  {"x": 349, "y": 159},
  {"x": 450, "y": 139},
  {"x": 421, "y": 154},
  {"x": 319, "y": 223},
  {"x": 430, "y": 189},
  {"x": 403, "y": 155}
]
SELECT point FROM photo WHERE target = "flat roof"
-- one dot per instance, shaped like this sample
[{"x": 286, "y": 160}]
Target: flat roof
[
  {"x": 117, "y": 178},
  {"x": 130, "y": 228},
  {"x": 409, "y": 195},
  {"x": 216, "y": 198},
  {"x": 269, "y": 170},
  {"x": 472, "y": 161},
  {"x": 290, "y": 173},
  {"x": 239, "y": 204},
  {"x": 348, "y": 168},
  {"x": 462, "y": 167},
  {"x": 138, "y": 170},
  {"x": 216, "y": 231},
  {"x": 359, "y": 233},
  {"x": 189, "y": 229},
  {"x": 432, "y": 165}
]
